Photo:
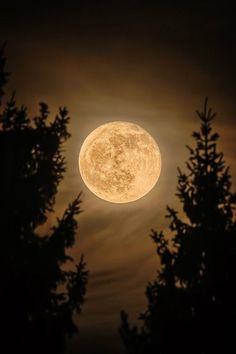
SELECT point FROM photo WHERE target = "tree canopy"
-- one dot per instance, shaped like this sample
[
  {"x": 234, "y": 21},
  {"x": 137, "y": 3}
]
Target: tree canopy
[
  {"x": 41, "y": 285},
  {"x": 191, "y": 304}
]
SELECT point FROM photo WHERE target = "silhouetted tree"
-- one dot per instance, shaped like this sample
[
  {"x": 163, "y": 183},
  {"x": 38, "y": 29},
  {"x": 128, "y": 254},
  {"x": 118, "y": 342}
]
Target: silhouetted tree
[
  {"x": 39, "y": 290},
  {"x": 192, "y": 302}
]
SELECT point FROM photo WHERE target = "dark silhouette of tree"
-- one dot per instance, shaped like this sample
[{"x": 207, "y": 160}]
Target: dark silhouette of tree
[
  {"x": 192, "y": 303},
  {"x": 41, "y": 286}
]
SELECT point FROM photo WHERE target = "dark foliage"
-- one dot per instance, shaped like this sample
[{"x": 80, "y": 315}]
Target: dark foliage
[
  {"x": 39, "y": 290},
  {"x": 191, "y": 304}
]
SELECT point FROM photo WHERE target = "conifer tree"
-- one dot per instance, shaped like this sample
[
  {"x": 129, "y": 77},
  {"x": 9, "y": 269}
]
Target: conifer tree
[
  {"x": 41, "y": 285},
  {"x": 191, "y": 303}
]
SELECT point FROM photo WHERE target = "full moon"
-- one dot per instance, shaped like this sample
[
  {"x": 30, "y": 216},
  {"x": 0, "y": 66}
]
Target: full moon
[{"x": 120, "y": 162}]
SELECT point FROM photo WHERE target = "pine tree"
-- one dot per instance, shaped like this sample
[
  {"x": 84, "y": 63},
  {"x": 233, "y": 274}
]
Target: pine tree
[
  {"x": 191, "y": 304},
  {"x": 41, "y": 285}
]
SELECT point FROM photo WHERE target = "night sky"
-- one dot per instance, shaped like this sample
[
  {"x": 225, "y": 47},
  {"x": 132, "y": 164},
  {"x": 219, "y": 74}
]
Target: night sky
[{"x": 147, "y": 62}]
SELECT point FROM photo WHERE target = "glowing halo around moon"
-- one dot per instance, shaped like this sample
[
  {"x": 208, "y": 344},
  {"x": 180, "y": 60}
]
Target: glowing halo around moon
[{"x": 120, "y": 162}]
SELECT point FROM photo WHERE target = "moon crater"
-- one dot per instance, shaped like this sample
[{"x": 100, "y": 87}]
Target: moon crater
[{"x": 120, "y": 162}]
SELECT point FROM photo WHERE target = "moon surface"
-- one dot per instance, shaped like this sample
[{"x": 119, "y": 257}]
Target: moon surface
[{"x": 120, "y": 162}]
